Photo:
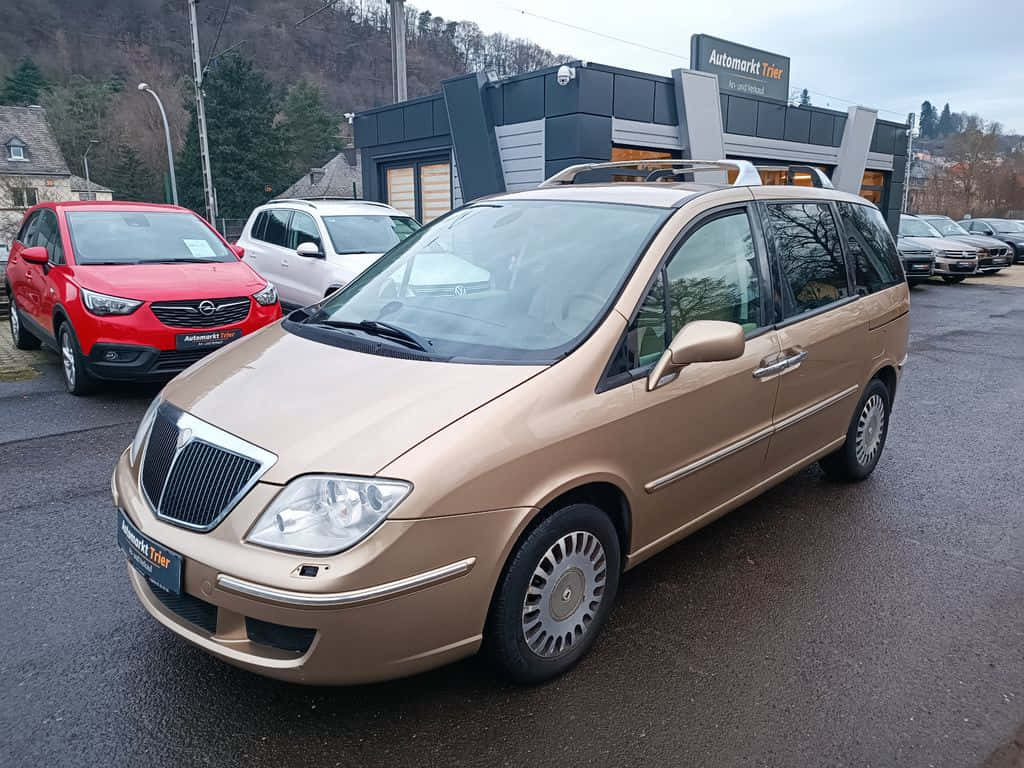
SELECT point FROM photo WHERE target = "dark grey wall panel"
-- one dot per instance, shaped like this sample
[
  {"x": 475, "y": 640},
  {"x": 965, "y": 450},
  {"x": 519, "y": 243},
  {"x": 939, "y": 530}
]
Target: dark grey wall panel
[
  {"x": 899, "y": 167},
  {"x": 419, "y": 120},
  {"x": 884, "y": 139},
  {"x": 551, "y": 167},
  {"x": 522, "y": 100},
  {"x": 390, "y": 126},
  {"x": 364, "y": 130},
  {"x": 742, "y": 116},
  {"x": 561, "y": 99},
  {"x": 725, "y": 109},
  {"x": 634, "y": 98},
  {"x": 496, "y": 103},
  {"x": 577, "y": 135},
  {"x": 476, "y": 147},
  {"x": 595, "y": 91},
  {"x": 900, "y": 149},
  {"x": 821, "y": 128},
  {"x": 440, "y": 113},
  {"x": 837, "y": 130},
  {"x": 771, "y": 120},
  {"x": 664, "y": 104},
  {"x": 798, "y": 124}
]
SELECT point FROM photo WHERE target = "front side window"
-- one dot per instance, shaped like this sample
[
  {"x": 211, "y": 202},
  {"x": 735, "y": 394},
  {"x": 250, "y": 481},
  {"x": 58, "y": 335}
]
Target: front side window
[
  {"x": 303, "y": 230},
  {"x": 143, "y": 237},
  {"x": 712, "y": 275},
  {"x": 368, "y": 234},
  {"x": 810, "y": 256},
  {"x": 47, "y": 235},
  {"x": 512, "y": 281},
  {"x": 876, "y": 262}
]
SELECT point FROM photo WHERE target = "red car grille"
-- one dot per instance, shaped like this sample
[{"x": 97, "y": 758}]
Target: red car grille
[{"x": 202, "y": 313}]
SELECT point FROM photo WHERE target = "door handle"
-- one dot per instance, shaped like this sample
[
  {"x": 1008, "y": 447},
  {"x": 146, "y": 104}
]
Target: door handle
[
  {"x": 771, "y": 368},
  {"x": 284, "y": 263}
]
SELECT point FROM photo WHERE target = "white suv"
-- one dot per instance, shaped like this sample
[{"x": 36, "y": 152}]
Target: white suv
[{"x": 311, "y": 248}]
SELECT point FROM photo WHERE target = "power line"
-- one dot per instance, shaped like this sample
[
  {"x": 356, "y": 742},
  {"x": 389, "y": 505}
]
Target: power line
[
  {"x": 318, "y": 10},
  {"x": 220, "y": 28}
]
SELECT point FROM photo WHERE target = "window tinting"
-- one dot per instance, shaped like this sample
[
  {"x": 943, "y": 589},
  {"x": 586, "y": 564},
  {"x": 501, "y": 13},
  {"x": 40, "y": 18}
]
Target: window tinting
[
  {"x": 276, "y": 230},
  {"x": 47, "y": 235},
  {"x": 713, "y": 275},
  {"x": 876, "y": 262},
  {"x": 303, "y": 230},
  {"x": 810, "y": 256}
]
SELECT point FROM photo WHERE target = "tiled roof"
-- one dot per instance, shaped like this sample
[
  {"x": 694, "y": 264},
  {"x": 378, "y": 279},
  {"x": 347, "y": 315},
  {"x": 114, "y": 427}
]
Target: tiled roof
[
  {"x": 29, "y": 125},
  {"x": 78, "y": 185},
  {"x": 333, "y": 180}
]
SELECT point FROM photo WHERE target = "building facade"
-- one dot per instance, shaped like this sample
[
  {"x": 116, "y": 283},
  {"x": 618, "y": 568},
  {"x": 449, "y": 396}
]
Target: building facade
[{"x": 482, "y": 136}]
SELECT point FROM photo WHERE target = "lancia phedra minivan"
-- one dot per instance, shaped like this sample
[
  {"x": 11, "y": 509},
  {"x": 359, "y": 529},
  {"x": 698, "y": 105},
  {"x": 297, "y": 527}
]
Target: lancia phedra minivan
[{"x": 445, "y": 469}]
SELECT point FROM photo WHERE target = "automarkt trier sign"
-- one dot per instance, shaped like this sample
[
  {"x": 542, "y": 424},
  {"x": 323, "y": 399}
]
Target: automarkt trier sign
[{"x": 741, "y": 70}]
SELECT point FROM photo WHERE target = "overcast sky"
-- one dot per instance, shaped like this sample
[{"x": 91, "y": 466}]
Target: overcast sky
[{"x": 889, "y": 55}]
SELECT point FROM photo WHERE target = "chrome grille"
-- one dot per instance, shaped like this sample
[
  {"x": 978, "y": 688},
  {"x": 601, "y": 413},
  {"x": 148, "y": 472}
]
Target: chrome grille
[
  {"x": 194, "y": 473},
  {"x": 202, "y": 313}
]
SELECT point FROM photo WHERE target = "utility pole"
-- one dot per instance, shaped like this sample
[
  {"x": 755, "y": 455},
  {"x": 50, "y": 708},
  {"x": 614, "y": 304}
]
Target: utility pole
[
  {"x": 204, "y": 145},
  {"x": 910, "y": 162},
  {"x": 398, "y": 49}
]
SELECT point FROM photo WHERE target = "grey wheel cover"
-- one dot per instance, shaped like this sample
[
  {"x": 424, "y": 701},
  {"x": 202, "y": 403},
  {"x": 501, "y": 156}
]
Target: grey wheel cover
[
  {"x": 564, "y": 594},
  {"x": 67, "y": 356},
  {"x": 870, "y": 428}
]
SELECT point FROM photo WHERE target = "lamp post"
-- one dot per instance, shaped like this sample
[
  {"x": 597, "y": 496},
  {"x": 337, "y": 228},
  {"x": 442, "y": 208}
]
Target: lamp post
[
  {"x": 85, "y": 162},
  {"x": 167, "y": 137}
]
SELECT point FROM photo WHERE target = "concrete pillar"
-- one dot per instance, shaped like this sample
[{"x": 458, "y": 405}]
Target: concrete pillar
[
  {"x": 700, "y": 118},
  {"x": 853, "y": 152}
]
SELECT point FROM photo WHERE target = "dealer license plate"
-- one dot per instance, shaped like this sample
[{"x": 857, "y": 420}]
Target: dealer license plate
[
  {"x": 205, "y": 339},
  {"x": 162, "y": 566}
]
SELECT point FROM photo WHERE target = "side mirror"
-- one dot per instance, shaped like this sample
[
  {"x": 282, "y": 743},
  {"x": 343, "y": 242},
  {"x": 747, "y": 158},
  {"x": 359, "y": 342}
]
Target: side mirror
[
  {"x": 699, "y": 341},
  {"x": 37, "y": 254},
  {"x": 309, "y": 250},
  {"x": 238, "y": 250}
]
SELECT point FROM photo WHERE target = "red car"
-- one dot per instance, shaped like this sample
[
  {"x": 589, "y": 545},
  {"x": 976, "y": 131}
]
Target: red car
[{"x": 129, "y": 290}]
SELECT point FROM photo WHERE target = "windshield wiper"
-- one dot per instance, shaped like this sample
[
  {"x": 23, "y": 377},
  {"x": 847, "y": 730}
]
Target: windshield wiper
[{"x": 385, "y": 330}]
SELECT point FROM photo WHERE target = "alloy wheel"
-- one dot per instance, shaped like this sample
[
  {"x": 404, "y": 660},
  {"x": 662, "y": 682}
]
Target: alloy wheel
[
  {"x": 564, "y": 595},
  {"x": 67, "y": 355},
  {"x": 15, "y": 322},
  {"x": 870, "y": 426}
]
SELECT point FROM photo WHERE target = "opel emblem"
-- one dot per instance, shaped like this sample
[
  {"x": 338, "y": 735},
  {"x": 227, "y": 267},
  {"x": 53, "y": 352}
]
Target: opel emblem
[
  {"x": 207, "y": 307},
  {"x": 460, "y": 290},
  {"x": 183, "y": 437}
]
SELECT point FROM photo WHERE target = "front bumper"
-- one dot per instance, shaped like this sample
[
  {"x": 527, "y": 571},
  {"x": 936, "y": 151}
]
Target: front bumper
[
  {"x": 413, "y": 596},
  {"x": 917, "y": 268},
  {"x": 956, "y": 266}
]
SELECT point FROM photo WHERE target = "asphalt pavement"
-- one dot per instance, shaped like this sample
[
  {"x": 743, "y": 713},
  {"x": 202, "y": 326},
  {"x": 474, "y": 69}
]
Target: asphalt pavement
[{"x": 880, "y": 624}]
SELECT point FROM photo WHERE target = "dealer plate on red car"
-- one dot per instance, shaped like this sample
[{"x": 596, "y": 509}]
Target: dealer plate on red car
[{"x": 205, "y": 339}]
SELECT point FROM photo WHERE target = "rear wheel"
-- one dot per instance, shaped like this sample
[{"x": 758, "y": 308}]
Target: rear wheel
[
  {"x": 555, "y": 594},
  {"x": 22, "y": 338},
  {"x": 865, "y": 438},
  {"x": 953, "y": 278},
  {"x": 77, "y": 379}
]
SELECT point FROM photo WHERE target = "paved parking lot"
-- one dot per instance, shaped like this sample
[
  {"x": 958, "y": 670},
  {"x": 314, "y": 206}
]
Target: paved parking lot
[{"x": 874, "y": 625}]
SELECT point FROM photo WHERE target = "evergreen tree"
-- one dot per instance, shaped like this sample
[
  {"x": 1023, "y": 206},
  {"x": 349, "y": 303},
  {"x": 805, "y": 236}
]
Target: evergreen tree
[
  {"x": 130, "y": 178},
  {"x": 309, "y": 129},
  {"x": 929, "y": 122},
  {"x": 945, "y": 126},
  {"x": 245, "y": 146},
  {"x": 23, "y": 86},
  {"x": 805, "y": 98}
]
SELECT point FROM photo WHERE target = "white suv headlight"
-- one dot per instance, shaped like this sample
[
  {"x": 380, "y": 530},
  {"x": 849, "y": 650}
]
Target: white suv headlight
[
  {"x": 325, "y": 514},
  {"x": 267, "y": 296},
  {"x": 101, "y": 304}
]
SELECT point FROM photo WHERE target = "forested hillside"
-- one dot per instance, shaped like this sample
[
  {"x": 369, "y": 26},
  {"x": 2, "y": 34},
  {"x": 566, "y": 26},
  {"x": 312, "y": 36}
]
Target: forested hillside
[{"x": 291, "y": 83}]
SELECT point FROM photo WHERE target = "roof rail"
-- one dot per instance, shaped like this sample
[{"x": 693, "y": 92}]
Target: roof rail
[
  {"x": 747, "y": 175},
  {"x": 818, "y": 177},
  {"x": 311, "y": 201},
  {"x": 291, "y": 200}
]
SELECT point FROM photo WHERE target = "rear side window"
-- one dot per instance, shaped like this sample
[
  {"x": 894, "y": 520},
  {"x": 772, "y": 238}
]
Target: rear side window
[
  {"x": 876, "y": 262},
  {"x": 258, "y": 226},
  {"x": 810, "y": 256},
  {"x": 276, "y": 230},
  {"x": 303, "y": 230}
]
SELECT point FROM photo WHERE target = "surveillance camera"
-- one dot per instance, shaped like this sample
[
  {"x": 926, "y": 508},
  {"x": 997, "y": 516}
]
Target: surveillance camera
[{"x": 565, "y": 74}]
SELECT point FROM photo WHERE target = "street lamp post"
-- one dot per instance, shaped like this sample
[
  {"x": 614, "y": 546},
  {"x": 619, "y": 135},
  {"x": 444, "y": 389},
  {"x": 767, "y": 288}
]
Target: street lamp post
[
  {"x": 167, "y": 137},
  {"x": 85, "y": 162}
]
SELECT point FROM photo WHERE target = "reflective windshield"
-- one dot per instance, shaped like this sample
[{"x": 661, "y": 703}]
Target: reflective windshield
[
  {"x": 368, "y": 234},
  {"x": 1007, "y": 226},
  {"x": 946, "y": 227},
  {"x": 139, "y": 237},
  {"x": 917, "y": 228},
  {"x": 504, "y": 280}
]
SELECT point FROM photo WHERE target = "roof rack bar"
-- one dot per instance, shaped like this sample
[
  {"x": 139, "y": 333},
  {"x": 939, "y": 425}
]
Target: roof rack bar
[
  {"x": 747, "y": 175},
  {"x": 818, "y": 177}
]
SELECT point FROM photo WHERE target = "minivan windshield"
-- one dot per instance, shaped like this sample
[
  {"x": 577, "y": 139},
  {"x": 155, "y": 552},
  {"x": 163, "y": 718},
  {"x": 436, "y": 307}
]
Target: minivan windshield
[
  {"x": 368, "y": 234},
  {"x": 948, "y": 227},
  {"x": 917, "y": 228},
  {"x": 506, "y": 280},
  {"x": 143, "y": 237}
]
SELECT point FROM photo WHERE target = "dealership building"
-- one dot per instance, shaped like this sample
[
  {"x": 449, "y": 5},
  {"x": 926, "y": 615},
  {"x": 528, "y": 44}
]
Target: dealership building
[{"x": 483, "y": 135}]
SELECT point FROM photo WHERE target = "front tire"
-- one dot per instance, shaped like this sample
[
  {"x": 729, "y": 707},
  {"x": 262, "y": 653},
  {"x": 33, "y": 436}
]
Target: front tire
[
  {"x": 555, "y": 594},
  {"x": 77, "y": 379},
  {"x": 22, "y": 338},
  {"x": 951, "y": 279},
  {"x": 865, "y": 438}
]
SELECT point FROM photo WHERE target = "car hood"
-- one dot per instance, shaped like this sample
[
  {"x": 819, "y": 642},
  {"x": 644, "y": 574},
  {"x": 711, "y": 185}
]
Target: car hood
[
  {"x": 981, "y": 241},
  {"x": 167, "y": 282},
  {"x": 932, "y": 244},
  {"x": 325, "y": 409}
]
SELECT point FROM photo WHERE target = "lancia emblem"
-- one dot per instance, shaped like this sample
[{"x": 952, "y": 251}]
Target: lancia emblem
[
  {"x": 183, "y": 437},
  {"x": 207, "y": 307}
]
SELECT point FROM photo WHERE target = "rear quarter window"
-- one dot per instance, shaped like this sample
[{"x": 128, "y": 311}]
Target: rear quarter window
[{"x": 875, "y": 260}]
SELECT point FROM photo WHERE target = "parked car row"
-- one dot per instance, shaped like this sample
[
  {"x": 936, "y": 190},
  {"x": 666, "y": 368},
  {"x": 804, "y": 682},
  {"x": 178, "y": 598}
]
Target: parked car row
[{"x": 937, "y": 245}]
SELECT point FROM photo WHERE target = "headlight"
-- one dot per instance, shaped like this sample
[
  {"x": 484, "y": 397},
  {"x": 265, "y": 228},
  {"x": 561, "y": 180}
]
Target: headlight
[
  {"x": 325, "y": 514},
  {"x": 143, "y": 430},
  {"x": 101, "y": 304},
  {"x": 267, "y": 296}
]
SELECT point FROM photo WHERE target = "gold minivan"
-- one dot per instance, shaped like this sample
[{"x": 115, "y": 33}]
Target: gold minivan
[{"x": 467, "y": 445}]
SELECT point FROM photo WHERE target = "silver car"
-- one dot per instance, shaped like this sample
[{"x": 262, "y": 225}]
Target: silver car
[
  {"x": 997, "y": 254},
  {"x": 954, "y": 260}
]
